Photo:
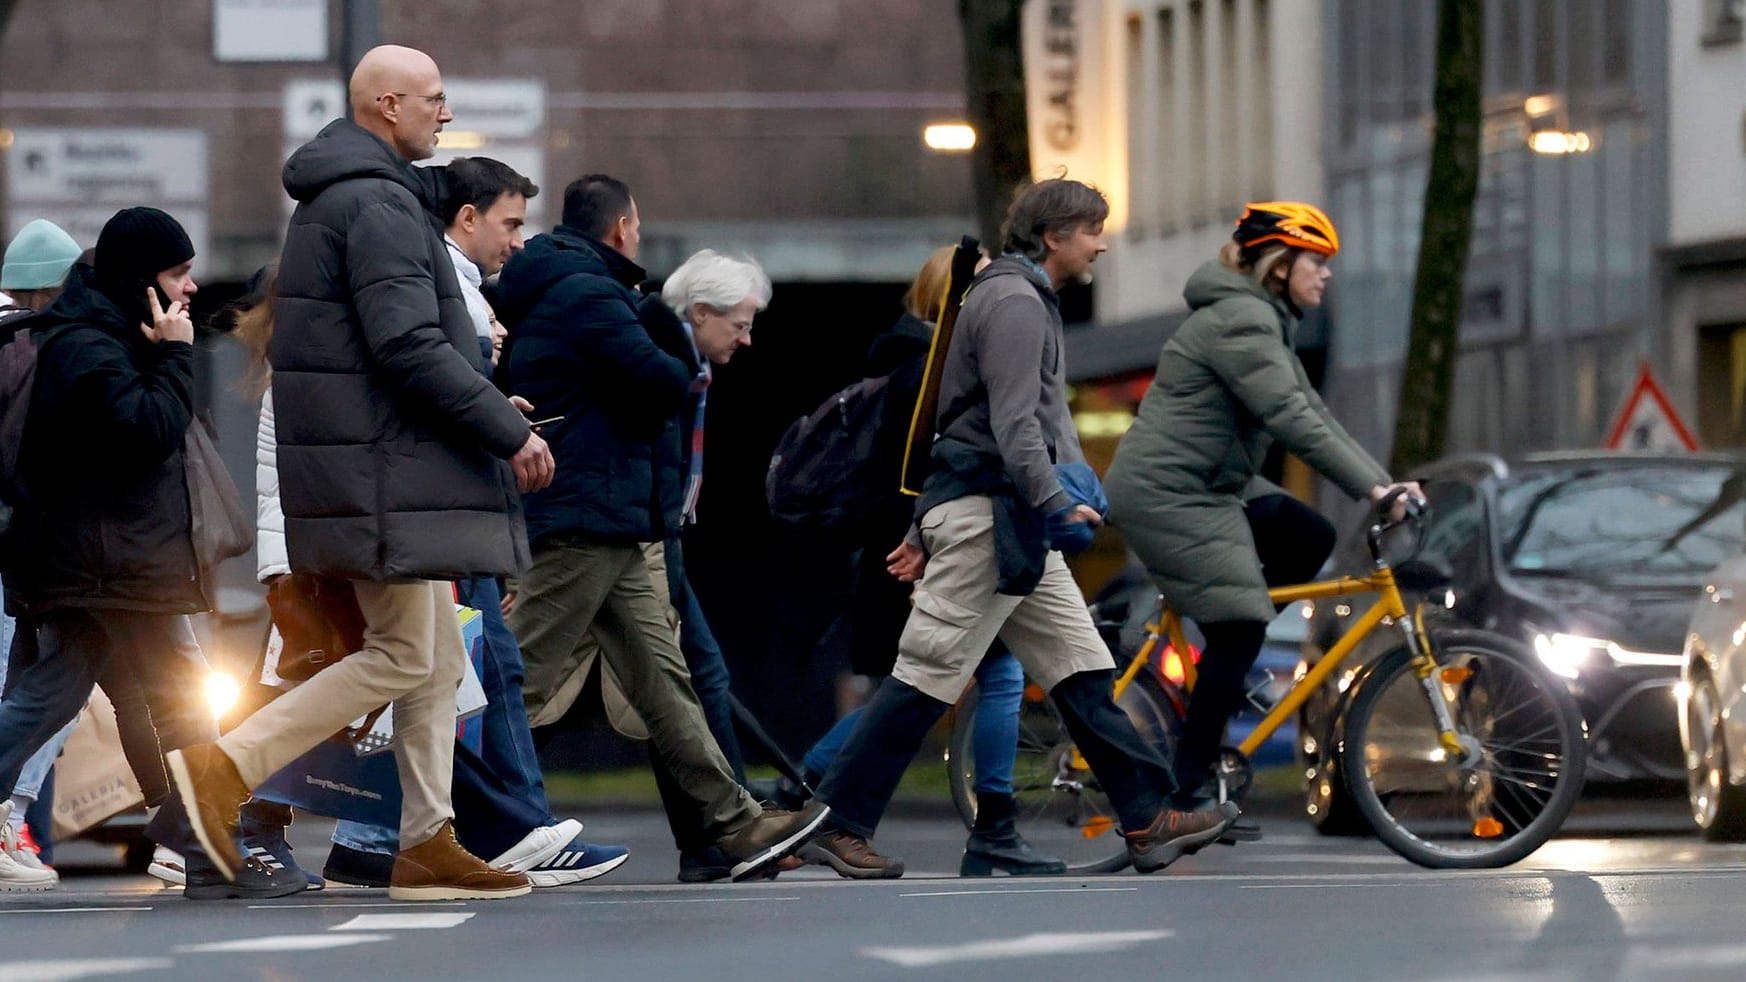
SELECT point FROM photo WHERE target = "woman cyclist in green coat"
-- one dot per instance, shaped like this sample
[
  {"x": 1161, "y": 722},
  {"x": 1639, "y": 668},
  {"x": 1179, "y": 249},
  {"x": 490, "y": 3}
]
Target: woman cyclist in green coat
[{"x": 1183, "y": 487}]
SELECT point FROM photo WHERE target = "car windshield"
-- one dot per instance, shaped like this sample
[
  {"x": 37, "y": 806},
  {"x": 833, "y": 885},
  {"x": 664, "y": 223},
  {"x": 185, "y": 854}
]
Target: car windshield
[{"x": 1608, "y": 521}]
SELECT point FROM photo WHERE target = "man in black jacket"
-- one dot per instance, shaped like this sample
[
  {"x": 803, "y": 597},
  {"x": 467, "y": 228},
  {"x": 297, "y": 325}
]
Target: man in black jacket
[
  {"x": 398, "y": 468},
  {"x": 108, "y": 567},
  {"x": 577, "y": 350}
]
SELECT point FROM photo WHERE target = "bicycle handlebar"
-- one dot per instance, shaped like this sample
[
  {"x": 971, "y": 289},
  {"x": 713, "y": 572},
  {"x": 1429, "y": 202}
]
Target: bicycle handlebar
[{"x": 1418, "y": 510}]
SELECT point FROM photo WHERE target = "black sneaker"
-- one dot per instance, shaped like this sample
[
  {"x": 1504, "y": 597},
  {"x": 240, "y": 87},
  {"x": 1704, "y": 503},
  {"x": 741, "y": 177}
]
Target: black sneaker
[
  {"x": 358, "y": 868},
  {"x": 272, "y": 851},
  {"x": 254, "y": 881},
  {"x": 705, "y": 865}
]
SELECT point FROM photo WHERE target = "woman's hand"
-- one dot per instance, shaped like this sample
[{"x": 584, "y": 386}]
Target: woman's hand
[{"x": 1398, "y": 510}]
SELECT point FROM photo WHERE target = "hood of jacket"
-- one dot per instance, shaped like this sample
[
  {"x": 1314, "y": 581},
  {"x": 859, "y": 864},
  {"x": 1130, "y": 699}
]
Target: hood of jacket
[
  {"x": 1214, "y": 282},
  {"x": 83, "y": 303},
  {"x": 908, "y": 339},
  {"x": 548, "y": 258},
  {"x": 345, "y": 151}
]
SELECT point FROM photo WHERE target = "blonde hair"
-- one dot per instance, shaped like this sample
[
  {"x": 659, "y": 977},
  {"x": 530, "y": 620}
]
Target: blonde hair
[
  {"x": 927, "y": 293},
  {"x": 254, "y": 328},
  {"x": 1266, "y": 266}
]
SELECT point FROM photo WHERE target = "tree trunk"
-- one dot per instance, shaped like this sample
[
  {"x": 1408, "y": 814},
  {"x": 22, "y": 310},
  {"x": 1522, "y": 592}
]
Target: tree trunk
[
  {"x": 994, "y": 91},
  {"x": 1421, "y": 428}
]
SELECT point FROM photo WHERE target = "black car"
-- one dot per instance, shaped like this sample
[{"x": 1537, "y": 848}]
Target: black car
[{"x": 1592, "y": 559}]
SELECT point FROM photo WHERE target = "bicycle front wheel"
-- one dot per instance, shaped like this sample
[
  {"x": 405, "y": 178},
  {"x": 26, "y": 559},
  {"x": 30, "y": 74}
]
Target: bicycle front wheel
[{"x": 1508, "y": 791}]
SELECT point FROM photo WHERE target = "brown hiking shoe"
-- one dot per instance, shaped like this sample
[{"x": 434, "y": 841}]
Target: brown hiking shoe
[
  {"x": 1172, "y": 833},
  {"x": 851, "y": 856},
  {"x": 771, "y": 836},
  {"x": 440, "y": 869},
  {"x": 213, "y": 794}
]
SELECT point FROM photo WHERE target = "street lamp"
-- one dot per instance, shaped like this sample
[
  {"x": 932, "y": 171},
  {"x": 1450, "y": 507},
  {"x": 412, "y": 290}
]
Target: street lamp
[
  {"x": 1559, "y": 142},
  {"x": 949, "y": 137}
]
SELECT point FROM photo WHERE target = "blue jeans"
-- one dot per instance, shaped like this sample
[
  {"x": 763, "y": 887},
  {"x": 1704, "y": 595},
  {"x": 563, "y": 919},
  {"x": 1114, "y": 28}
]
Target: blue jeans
[
  {"x": 36, "y": 769},
  {"x": 1000, "y": 689},
  {"x": 507, "y": 746},
  {"x": 709, "y": 672}
]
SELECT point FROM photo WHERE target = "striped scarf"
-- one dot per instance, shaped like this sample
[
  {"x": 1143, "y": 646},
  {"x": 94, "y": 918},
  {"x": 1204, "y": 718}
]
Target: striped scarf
[{"x": 694, "y": 466}]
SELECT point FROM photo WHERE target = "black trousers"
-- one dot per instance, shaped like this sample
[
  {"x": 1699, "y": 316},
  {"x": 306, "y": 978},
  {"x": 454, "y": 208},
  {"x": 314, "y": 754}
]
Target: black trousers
[{"x": 1292, "y": 540}]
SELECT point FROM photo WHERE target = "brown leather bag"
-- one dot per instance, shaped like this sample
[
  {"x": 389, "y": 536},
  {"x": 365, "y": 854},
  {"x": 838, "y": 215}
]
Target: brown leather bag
[{"x": 319, "y": 620}]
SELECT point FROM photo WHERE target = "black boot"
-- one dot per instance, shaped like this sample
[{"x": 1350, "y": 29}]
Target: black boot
[{"x": 995, "y": 843}]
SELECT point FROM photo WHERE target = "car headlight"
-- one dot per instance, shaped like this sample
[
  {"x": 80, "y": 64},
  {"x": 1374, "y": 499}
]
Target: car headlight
[{"x": 1568, "y": 654}]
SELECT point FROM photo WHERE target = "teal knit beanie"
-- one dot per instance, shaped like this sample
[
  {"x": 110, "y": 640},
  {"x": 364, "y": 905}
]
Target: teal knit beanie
[{"x": 38, "y": 257}]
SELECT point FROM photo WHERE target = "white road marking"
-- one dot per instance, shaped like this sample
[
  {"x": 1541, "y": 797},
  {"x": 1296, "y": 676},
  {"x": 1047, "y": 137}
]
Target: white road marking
[
  {"x": 1027, "y": 946},
  {"x": 65, "y": 969},
  {"x": 66, "y": 910},
  {"x": 1322, "y": 886},
  {"x": 1322, "y": 857},
  {"x": 403, "y": 922},
  {"x": 1020, "y": 893},
  {"x": 396, "y": 904},
  {"x": 1644, "y": 959},
  {"x": 680, "y": 900},
  {"x": 283, "y": 942}
]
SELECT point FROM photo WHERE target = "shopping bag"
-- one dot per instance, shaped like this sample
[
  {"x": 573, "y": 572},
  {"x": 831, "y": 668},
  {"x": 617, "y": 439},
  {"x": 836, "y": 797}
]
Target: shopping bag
[
  {"x": 352, "y": 781},
  {"x": 92, "y": 779}
]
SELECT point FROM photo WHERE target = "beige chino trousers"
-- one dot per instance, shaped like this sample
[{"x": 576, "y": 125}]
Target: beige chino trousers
[{"x": 413, "y": 657}]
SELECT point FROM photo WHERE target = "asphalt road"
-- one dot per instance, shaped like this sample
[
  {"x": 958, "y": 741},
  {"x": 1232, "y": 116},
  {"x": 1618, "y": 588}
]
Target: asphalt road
[{"x": 1632, "y": 895}]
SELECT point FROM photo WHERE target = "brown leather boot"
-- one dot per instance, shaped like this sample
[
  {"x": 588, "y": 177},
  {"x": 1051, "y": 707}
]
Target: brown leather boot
[
  {"x": 213, "y": 794},
  {"x": 440, "y": 869}
]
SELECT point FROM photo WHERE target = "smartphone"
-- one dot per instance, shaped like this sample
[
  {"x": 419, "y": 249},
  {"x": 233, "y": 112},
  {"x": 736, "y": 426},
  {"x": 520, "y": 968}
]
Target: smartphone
[{"x": 537, "y": 423}]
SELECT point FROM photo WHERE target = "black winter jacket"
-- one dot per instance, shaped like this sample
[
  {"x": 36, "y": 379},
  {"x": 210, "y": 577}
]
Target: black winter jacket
[
  {"x": 102, "y": 463},
  {"x": 576, "y": 349},
  {"x": 392, "y": 446}
]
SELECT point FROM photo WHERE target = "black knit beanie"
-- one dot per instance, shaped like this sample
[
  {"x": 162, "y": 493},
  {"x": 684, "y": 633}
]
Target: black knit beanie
[{"x": 139, "y": 243}]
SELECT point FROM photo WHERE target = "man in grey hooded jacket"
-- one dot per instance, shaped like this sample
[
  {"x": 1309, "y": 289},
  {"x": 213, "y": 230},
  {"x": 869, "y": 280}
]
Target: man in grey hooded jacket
[{"x": 992, "y": 518}]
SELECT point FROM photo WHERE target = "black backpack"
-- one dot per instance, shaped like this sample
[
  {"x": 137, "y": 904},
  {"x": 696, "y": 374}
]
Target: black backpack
[{"x": 821, "y": 477}]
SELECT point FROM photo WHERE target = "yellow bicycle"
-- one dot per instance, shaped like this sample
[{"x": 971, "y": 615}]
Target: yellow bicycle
[{"x": 1458, "y": 748}]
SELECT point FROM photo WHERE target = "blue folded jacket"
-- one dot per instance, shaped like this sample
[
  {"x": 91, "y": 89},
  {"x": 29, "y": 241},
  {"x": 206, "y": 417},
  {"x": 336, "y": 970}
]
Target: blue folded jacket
[{"x": 1081, "y": 484}]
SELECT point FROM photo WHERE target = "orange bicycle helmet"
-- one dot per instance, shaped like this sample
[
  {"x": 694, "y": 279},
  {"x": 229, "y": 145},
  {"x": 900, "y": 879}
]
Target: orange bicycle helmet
[{"x": 1290, "y": 223}]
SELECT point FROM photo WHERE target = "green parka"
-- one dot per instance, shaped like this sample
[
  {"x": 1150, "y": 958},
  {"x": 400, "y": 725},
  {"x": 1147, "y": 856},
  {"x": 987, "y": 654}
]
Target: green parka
[{"x": 1228, "y": 384}]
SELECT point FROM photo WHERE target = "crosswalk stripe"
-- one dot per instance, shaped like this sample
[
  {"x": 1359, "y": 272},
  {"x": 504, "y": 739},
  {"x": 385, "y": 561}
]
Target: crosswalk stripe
[
  {"x": 404, "y": 922},
  {"x": 67, "y": 969},
  {"x": 282, "y": 942}
]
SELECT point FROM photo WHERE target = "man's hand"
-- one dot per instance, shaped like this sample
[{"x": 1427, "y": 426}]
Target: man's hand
[
  {"x": 906, "y": 562},
  {"x": 533, "y": 465},
  {"x": 507, "y": 604},
  {"x": 173, "y": 324},
  {"x": 522, "y": 404},
  {"x": 1398, "y": 510},
  {"x": 1086, "y": 514}
]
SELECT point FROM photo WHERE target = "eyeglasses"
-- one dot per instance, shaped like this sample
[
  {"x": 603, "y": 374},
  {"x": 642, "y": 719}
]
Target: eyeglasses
[{"x": 440, "y": 99}]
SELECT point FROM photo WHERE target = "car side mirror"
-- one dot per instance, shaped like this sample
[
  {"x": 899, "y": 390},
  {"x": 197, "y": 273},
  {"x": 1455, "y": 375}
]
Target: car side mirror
[{"x": 1422, "y": 575}]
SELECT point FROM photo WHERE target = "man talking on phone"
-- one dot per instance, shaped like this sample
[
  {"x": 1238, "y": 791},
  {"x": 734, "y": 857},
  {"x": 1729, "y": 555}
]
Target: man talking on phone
[{"x": 107, "y": 566}]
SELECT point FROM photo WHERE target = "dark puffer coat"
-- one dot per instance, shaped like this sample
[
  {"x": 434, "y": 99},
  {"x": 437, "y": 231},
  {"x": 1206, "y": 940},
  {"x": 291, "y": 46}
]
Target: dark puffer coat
[
  {"x": 576, "y": 349},
  {"x": 392, "y": 447},
  {"x": 102, "y": 460}
]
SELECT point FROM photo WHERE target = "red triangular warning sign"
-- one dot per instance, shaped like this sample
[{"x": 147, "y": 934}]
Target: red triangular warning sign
[{"x": 1648, "y": 421}]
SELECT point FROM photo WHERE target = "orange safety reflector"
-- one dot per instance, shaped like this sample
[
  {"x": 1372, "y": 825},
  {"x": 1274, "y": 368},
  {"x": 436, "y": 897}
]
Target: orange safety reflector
[
  {"x": 1034, "y": 692},
  {"x": 1487, "y": 828},
  {"x": 1097, "y": 825},
  {"x": 1456, "y": 674}
]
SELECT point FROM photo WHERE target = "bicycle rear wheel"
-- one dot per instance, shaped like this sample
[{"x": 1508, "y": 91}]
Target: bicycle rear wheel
[
  {"x": 1061, "y": 808},
  {"x": 1506, "y": 794}
]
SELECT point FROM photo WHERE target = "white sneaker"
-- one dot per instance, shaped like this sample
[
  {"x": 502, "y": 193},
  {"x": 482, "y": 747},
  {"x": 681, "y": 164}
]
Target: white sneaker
[
  {"x": 15, "y": 877},
  {"x": 167, "y": 865},
  {"x": 538, "y": 846}
]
